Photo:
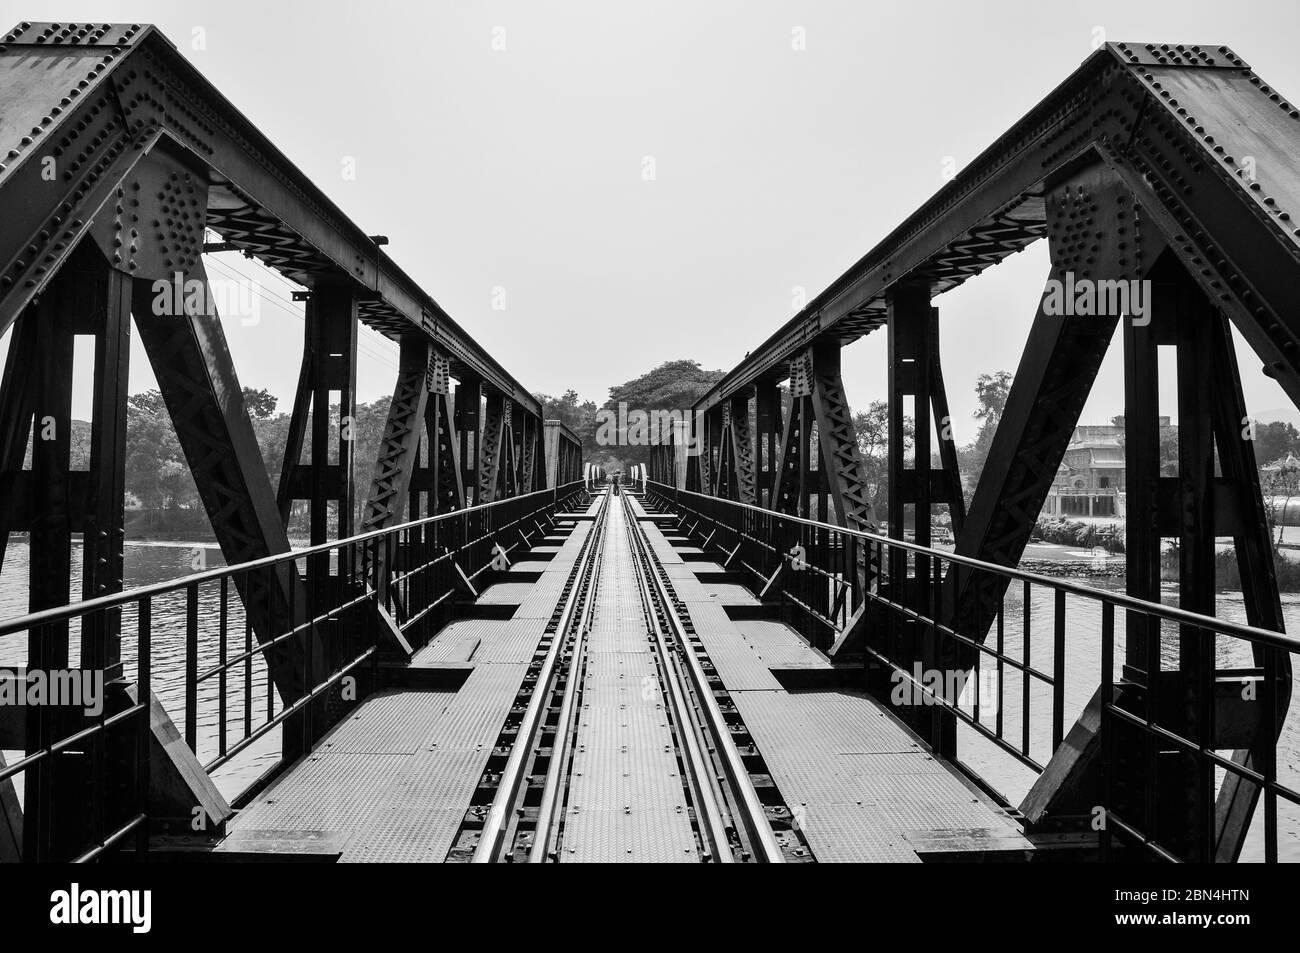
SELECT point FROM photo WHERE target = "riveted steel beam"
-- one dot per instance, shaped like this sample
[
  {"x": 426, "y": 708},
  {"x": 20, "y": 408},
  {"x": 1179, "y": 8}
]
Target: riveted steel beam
[
  {"x": 1207, "y": 143},
  {"x": 841, "y": 460},
  {"x": 1053, "y": 380},
  {"x": 469, "y": 415},
  {"x": 400, "y": 444},
  {"x": 196, "y": 376},
  {"x": 329, "y": 366},
  {"x": 742, "y": 450},
  {"x": 84, "y": 110},
  {"x": 495, "y": 427}
]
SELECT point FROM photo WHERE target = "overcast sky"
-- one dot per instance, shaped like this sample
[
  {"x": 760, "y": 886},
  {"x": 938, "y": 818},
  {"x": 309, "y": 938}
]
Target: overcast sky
[{"x": 504, "y": 148}]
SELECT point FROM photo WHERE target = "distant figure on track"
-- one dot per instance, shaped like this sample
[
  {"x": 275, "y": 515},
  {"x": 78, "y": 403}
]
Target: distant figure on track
[{"x": 617, "y": 474}]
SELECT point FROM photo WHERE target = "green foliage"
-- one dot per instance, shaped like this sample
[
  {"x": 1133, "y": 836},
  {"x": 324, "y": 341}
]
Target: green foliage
[
  {"x": 871, "y": 426},
  {"x": 1275, "y": 440},
  {"x": 578, "y": 415},
  {"x": 991, "y": 390},
  {"x": 673, "y": 386},
  {"x": 1227, "y": 574},
  {"x": 260, "y": 403},
  {"x": 1083, "y": 535}
]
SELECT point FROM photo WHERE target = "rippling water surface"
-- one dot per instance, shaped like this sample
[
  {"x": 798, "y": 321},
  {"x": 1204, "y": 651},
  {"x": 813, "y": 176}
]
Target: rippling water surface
[{"x": 158, "y": 562}]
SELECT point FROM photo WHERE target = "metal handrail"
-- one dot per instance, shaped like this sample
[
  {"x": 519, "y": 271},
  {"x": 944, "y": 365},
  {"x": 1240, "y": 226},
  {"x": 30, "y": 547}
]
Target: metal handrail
[
  {"x": 471, "y": 530},
  {"x": 114, "y": 600},
  {"x": 1268, "y": 637},
  {"x": 759, "y": 535}
]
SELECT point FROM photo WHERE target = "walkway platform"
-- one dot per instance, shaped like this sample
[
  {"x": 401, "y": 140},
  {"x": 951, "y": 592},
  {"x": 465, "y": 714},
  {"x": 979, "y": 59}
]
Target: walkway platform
[
  {"x": 393, "y": 781},
  {"x": 861, "y": 786}
]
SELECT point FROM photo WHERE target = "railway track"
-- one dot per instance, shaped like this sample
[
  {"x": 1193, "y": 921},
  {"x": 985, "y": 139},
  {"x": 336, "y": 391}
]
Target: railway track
[{"x": 622, "y": 743}]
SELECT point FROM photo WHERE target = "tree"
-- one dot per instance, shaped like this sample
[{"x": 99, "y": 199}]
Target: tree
[
  {"x": 673, "y": 386},
  {"x": 157, "y": 473},
  {"x": 992, "y": 391},
  {"x": 576, "y": 414},
  {"x": 1274, "y": 440},
  {"x": 260, "y": 403},
  {"x": 1274, "y": 484},
  {"x": 871, "y": 427}
]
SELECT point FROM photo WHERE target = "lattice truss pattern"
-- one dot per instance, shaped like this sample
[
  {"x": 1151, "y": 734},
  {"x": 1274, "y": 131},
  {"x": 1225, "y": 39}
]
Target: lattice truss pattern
[
  {"x": 116, "y": 158},
  {"x": 1166, "y": 163}
]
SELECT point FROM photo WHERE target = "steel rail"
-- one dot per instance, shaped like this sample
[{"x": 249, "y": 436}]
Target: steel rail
[
  {"x": 492, "y": 837},
  {"x": 712, "y": 818},
  {"x": 749, "y": 808},
  {"x": 547, "y": 828}
]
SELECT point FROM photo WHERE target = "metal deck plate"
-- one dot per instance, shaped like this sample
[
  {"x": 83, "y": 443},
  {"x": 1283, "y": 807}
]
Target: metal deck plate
[
  {"x": 664, "y": 549},
  {"x": 483, "y": 641},
  {"x": 403, "y": 833},
  {"x": 626, "y": 801},
  {"x": 776, "y": 644},
  {"x": 857, "y": 781},
  {"x": 389, "y": 723},
  {"x": 475, "y": 716},
  {"x": 394, "y": 780},
  {"x": 735, "y": 660},
  {"x": 506, "y": 593},
  {"x": 397, "y": 776},
  {"x": 609, "y": 837},
  {"x": 730, "y": 594}
]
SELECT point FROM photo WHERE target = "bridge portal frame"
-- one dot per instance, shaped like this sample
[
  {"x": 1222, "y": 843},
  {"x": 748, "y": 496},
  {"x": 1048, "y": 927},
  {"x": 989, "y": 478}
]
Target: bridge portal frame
[{"x": 1149, "y": 161}]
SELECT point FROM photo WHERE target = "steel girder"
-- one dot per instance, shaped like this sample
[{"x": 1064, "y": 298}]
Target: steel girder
[
  {"x": 768, "y": 424},
  {"x": 727, "y": 466},
  {"x": 399, "y": 447},
  {"x": 1097, "y": 231},
  {"x": 131, "y": 148},
  {"x": 529, "y": 472},
  {"x": 494, "y": 460},
  {"x": 551, "y": 447},
  {"x": 745, "y": 482},
  {"x": 329, "y": 364},
  {"x": 1215, "y": 493},
  {"x": 54, "y": 500},
  {"x": 915, "y": 371},
  {"x": 843, "y": 473},
  {"x": 94, "y": 98},
  {"x": 1205, "y": 144},
  {"x": 562, "y": 452},
  {"x": 710, "y": 437},
  {"x": 469, "y": 397},
  {"x": 1239, "y": 489},
  {"x": 824, "y": 479},
  {"x": 444, "y": 455},
  {"x": 197, "y": 379},
  {"x": 790, "y": 486}
]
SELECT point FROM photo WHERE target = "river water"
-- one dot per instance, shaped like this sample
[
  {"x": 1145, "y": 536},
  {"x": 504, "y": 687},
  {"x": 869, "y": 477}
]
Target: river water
[
  {"x": 150, "y": 563},
  {"x": 147, "y": 563},
  {"x": 1083, "y": 650}
]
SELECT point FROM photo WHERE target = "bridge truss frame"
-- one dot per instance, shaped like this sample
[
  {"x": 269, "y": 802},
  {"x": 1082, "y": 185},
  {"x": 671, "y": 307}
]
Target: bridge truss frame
[
  {"x": 117, "y": 158},
  {"x": 1158, "y": 162}
]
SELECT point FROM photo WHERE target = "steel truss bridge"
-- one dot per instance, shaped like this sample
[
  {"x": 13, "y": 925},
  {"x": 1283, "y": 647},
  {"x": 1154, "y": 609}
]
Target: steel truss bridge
[{"x": 723, "y": 660}]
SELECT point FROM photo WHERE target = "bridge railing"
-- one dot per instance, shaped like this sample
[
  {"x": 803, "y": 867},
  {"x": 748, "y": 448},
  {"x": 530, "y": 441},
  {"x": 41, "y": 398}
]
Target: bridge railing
[
  {"x": 984, "y": 662},
  {"x": 188, "y": 649}
]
